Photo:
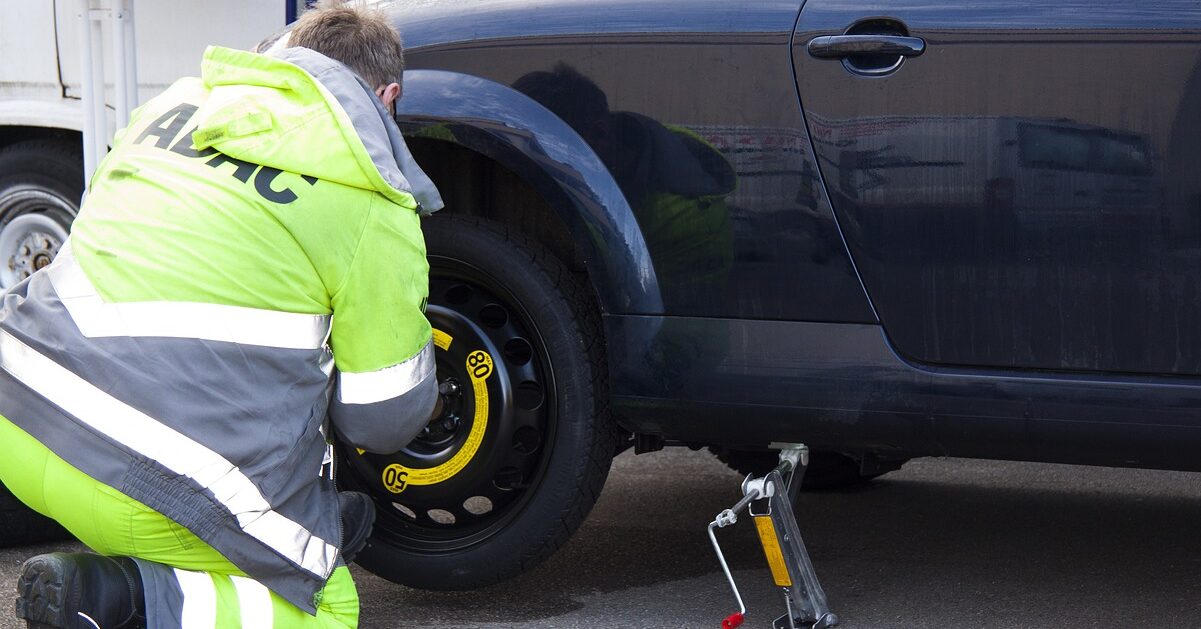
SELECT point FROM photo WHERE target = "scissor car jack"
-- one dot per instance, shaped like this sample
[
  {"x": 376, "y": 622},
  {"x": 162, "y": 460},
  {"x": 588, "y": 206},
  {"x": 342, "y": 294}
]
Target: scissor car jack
[{"x": 768, "y": 500}]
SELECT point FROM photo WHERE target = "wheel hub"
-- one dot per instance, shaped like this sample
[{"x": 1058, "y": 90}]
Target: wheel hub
[
  {"x": 444, "y": 426},
  {"x": 33, "y": 227}
]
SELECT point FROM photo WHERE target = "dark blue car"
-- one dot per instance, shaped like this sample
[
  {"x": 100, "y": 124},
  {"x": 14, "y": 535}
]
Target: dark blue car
[
  {"x": 885, "y": 230},
  {"x": 882, "y": 229}
]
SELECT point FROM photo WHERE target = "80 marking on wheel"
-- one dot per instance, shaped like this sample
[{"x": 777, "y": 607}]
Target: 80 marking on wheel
[{"x": 479, "y": 364}]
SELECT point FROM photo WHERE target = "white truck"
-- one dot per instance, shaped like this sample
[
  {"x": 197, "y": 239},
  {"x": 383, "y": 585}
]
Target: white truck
[{"x": 46, "y": 51}]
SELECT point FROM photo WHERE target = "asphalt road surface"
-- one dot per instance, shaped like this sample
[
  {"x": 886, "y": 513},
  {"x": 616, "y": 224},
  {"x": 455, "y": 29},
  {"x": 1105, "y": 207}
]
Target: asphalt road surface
[{"x": 941, "y": 543}]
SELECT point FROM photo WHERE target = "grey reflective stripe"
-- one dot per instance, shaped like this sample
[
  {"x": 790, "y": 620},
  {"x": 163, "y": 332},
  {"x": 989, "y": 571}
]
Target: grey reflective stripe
[
  {"x": 212, "y": 322},
  {"x": 171, "y": 449},
  {"x": 377, "y": 386}
]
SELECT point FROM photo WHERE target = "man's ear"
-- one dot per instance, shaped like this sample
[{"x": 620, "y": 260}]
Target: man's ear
[{"x": 390, "y": 94}]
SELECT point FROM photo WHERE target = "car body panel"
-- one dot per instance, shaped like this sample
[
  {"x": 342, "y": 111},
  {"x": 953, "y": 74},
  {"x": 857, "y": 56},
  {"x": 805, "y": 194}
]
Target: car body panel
[
  {"x": 436, "y": 22},
  {"x": 741, "y": 383},
  {"x": 506, "y": 126},
  {"x": 713, "y": 160},
  {"x": 1025, "y": 193}
]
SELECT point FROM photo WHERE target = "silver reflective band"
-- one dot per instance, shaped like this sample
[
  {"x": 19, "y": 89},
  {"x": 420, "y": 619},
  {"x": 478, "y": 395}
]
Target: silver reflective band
[
  {"x": 175, "y": 451},
  {"x": 199, "y": 599},
  {"x": 386, "y": 383},
  {"x": 254, "y": 603},
  {"x": 194, "y": 320}
]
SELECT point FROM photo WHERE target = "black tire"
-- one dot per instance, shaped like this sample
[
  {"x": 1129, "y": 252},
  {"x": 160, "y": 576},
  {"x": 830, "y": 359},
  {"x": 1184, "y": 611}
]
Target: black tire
[
  {"x": 564, "y": 462},
  {"x": 827, "y": 470},
  {"x": 20, "y": 525},
  {"x": 41, "y": 182}
]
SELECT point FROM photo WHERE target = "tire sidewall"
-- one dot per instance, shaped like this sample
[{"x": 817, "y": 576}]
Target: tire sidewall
[{"x": 52, "y": 167}]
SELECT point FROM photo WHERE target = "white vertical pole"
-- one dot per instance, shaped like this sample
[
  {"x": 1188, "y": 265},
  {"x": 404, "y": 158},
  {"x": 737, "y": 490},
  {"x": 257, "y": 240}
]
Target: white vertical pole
[
  {"x": 98, "y": 91},
  {"x": 125, "y": 59},
  {"x": 120, "y": 64},
  {"x": 85, "y": 80},
  {"x": 131, "y": 58},
  {"x": 95, "y": 128}
]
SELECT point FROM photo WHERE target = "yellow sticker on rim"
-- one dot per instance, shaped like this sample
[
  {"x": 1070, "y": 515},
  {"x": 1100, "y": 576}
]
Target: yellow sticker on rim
[
  {"x": 479, "y": 367},
  {"x": 442, "y": 340},
  {"x": 395, "y": 478}
]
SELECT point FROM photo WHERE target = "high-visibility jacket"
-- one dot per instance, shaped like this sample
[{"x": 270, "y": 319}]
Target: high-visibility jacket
[{"x": 250, "y": 247}]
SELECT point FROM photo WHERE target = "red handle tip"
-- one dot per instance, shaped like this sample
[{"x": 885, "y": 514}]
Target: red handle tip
[{"x": 732, "y": 621}]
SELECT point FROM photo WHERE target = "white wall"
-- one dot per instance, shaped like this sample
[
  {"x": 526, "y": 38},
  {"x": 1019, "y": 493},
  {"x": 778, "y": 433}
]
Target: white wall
[
  {"x": 171, "y": 36},
  {"x": 28, "y": 59}
]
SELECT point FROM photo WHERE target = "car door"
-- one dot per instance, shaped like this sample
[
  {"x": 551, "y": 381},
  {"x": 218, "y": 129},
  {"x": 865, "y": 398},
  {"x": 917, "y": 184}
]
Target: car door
[{"x": 1019, "y": 182}]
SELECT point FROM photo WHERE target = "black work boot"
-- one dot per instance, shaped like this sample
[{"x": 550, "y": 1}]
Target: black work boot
[
  {"x": 357, "y": 511},
  {"x": 80, "y": 590}
]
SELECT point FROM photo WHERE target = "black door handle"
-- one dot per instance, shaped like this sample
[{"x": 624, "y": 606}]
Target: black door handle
[{"x": 840, "y": 46}]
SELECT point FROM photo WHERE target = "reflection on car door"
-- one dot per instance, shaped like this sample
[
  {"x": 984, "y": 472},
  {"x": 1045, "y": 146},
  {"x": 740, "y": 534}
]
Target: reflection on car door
[{"x": 1024, "y": 192}]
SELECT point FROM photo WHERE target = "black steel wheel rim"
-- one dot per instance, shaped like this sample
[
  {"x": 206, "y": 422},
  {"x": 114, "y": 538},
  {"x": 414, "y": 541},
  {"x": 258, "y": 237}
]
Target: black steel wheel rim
[{"x": 510, "y": 410}]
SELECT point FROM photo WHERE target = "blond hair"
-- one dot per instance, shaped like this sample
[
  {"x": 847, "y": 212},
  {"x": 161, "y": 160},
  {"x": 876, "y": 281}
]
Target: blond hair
[{"x": 363, "y": 39}]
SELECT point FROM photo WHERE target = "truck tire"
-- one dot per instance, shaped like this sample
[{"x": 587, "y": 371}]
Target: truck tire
[
  {"x": 20, "y": 525},
  {"x": 516, "y": 461},
  {"x": 41, "y": 183}
]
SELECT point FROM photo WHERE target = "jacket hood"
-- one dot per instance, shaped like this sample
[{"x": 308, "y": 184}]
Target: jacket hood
[{"x": 299, "y": 111}]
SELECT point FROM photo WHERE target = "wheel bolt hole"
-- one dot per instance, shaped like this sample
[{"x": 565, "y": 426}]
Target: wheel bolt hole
[
  {"x": 526, "y": 440},
  {"x": 528, "y": 395},
  {"x": 409, "y": 513},
  {"x": 441, "y": 516},
  {"x": 507, "y": 478},
  {"x": 518, "y": 351},
  {"x": 493, "y": 316},
  {"x": 458, "y": 294},
  {"x": 477, "y": 505}
]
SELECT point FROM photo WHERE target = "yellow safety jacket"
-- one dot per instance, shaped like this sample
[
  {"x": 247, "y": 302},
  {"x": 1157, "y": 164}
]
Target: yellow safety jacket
[{"x": 250, "y": 249}]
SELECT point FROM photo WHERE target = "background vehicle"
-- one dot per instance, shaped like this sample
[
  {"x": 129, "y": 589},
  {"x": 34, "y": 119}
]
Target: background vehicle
[
  {"x": 41, "y": 116},
  {"x": 985, "y": 250},
  {"x": 41, "y": 110}
]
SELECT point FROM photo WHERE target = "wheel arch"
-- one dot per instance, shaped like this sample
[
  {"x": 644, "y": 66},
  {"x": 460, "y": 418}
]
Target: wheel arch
[
  {"x": 444, "y": 109},
  {"x": 15, "y": 134},
  {"x": 22, "y": 120}
]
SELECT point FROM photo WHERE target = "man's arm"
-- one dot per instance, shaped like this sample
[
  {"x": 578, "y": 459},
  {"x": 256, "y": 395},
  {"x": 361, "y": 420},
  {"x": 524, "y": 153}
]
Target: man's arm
[{"x": 387, "y": 388}]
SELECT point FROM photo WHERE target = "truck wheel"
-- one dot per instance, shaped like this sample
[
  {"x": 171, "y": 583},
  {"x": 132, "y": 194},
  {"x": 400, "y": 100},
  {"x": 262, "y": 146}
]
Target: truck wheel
[
  {"x": 20, "y": 525},
  {"x": 827, "y": 470},
  {"x": 41, "y": 183},
  {"x": 511, "y": 468}
]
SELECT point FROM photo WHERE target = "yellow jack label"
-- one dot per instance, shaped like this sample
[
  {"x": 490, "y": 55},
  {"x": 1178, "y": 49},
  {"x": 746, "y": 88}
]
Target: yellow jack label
[{"x": 771, "y": 548}]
